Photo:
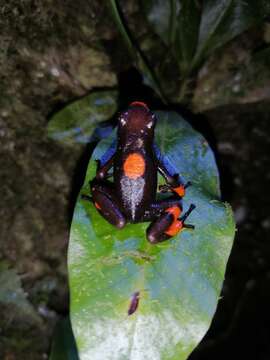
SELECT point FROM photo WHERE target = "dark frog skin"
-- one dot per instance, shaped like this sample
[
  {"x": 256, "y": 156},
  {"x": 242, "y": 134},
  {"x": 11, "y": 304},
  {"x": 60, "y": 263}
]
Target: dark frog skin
[{"x": 131, "y": 196}]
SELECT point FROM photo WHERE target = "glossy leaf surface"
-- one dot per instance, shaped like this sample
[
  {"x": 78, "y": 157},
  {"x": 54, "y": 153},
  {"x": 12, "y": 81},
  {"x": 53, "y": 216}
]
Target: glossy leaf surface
[
  {"x": 179, "y": 280},
  {"x": 76, "y": 122}
]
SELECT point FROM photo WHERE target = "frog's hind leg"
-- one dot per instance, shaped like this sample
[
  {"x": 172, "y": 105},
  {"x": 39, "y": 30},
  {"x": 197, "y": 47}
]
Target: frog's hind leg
[
  {"x": 168, "y": 224},
  {"x": 106, "y": 203}
]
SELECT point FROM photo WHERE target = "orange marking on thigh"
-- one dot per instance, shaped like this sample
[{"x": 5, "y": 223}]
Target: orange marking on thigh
[
  {"x": 134, "y": 166},
  {"x": 97, "y": 206},
  {"x": 174, "y": 228},
  {"x": 175, "y": 211}
]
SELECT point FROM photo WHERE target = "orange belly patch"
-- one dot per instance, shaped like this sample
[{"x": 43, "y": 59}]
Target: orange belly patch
[{"x": 134, "y": 166}]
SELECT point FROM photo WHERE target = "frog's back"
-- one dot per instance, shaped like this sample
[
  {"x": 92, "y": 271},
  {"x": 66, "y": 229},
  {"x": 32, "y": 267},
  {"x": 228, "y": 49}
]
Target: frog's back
[
  {"x": 135, "y": 176},
  {"x": 135, "y": 169}
]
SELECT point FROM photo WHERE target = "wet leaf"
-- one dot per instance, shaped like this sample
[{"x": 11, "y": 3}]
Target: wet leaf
[
  {"x": 179, "y": 281},
  {"x": 64, "y": 346},
  {"x": 76, "y": 122}
]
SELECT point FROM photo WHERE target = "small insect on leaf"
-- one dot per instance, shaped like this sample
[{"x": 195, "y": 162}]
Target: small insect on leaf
[{"x": 134, "y": 302}]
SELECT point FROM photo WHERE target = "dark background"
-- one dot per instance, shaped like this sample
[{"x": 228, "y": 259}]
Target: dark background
[{"x": 53, "y": 54}]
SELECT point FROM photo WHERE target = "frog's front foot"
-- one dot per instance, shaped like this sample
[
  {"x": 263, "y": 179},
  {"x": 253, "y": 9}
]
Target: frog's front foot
[{"x": 179, "y": 189}]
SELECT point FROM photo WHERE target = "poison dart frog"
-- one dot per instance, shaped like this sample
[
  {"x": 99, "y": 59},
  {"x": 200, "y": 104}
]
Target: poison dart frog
[{"x": 131, "y": 196}]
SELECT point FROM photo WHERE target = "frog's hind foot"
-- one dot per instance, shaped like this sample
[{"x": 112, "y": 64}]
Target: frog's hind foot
[{"x": 168, "y": 224}]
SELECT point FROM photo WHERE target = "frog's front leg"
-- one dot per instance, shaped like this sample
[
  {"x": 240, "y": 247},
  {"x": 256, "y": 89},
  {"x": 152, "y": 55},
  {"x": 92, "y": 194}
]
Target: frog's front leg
[
  {"x": 169, "y": 223},
  {"x": 105, "y": 201},
  {"x": 106, "y": 163},
  {"x": 174, "y": 181}
]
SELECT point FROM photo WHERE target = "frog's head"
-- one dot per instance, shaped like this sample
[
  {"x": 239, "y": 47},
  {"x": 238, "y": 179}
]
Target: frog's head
[{"x": 137, "y": 120}]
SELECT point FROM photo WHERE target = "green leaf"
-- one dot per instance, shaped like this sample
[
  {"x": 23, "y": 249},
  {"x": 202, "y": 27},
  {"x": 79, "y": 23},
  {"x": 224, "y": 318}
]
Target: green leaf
[
  {"x": 186, "y": 34},
  {"x": 179, "y": 280},
  {"x": 159, "y": 13},
  {"x": 177, "y": 23},
  {"x": 221, "y": 21},
  {"x": 76, "y": 122},
  {"x": 63, "y": 346},
  {"x": 192, "y": 30}
]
